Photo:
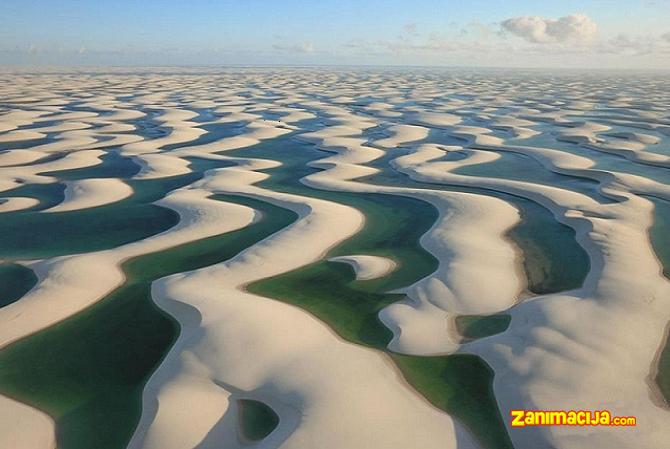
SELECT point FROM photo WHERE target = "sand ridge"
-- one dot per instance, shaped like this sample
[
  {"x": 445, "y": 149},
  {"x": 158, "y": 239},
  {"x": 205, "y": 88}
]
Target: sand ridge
[{"x": 587, "y": 348}]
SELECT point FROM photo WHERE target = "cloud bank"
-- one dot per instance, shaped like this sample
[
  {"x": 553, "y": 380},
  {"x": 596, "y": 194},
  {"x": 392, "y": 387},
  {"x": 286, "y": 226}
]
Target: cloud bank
[
  {"x": 305, "y": 47},
  {"x": 575, "y": 28}
]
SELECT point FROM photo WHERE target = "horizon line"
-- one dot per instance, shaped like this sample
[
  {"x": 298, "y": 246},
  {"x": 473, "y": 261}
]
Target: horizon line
[{"x": 370, "y": 66}]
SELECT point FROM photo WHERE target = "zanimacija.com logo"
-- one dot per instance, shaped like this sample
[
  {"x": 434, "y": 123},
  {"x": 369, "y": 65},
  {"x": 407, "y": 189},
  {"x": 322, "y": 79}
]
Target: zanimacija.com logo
[{"x": 524, "y": 418}]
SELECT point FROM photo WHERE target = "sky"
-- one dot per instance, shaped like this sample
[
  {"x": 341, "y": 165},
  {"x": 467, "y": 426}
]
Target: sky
[{"x": 633, "y": 34}]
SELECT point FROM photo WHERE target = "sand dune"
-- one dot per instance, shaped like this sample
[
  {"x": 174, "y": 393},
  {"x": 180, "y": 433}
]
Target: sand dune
[
  {"x": 308, "y": 401},
  {"x": 594, "y": 151},
  {"x": 12, "y": 177},
  {"x": 607, "y": 292},
  {"x": 421, "y": 324},
  {"x": 23, "y": 427},
  {"x": 18, "y": 157},
  {"x": 68, "y": 284},
  {"x": 367, "y": 267},
  {"x": 17, "y": 203},
  {"x": 403, "y": 134},
  {"x": 87, "y": 193}
]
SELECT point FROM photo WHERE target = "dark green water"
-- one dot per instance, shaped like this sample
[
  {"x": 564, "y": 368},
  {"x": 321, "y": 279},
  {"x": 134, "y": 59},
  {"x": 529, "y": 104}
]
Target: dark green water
[
  {"x": 215, "y": 131},
  {"x": 480, "y": 326},
  {"x": 660, "y": 232},
  {"x": 393, "y": 228},
  {"x": 520, "y": 167},
  {"x": 88, "y": 371},
  {"x": 603, "y": 160},
  {"x": 48, "y": 195},
  {"x": 112, "y": 165},
  {"x": 257, "y": 420},
  {"x": 15, "y": 281},
  {"x": 553, "y": 260},
  {"x": 459, "y": 384},
  {"x": 660, "y": 239},
  {"x": 22, "y": 233}
]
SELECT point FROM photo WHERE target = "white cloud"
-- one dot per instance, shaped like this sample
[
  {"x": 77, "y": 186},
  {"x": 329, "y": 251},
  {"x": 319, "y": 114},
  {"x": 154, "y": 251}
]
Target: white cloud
[
  {"x": 551, "y": 43},
  {"x": 305, "y": 47},
  {"x": 575, "y": 28},
  {"x": 624, "y": 44}
]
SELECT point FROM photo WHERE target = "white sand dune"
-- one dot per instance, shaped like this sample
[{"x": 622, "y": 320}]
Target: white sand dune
[
  {"x": 519, "y": 128},
  {"x": 67, "y": 284},
  {"x": 438, "y": 120},
  {"x": 421, "y": 324},
  {"x": 367, "y": 267},
  {"x": 475, "y": 135},
  {"x": 159, "y": 165},
  {"x": 68, "y": 141},
  {"x": 329, "y": 396},
  {"x": 593, "y": 347},
  {"x": 403, "y": 134},
  {"x": 12, "y": 177},
  {"x": 86, "y": 193},
  {"x": 631, "y": 149},
  {"x": 606, "y": 232},
  {"x": 12, "y": 204},
  {"x": 21, "y": 135},
  {"x": 182, "y": 131},
  {"x": 23, "y": 427},
  {"x": 18, "y": 157},
  {"x": 14, "y": 119},
  {"x": 61, "y": 127}
]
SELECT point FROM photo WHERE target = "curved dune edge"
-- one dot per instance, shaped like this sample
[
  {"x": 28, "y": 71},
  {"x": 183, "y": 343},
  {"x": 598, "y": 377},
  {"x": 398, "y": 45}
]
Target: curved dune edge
[
  {"x": 367, "y": 267},
  {"x": 468, "y": 240},
  {"x": 561, "y": 202},
  {"x": 13, "y": 119},
  {"x": 619, "y": 274},
  {"x": 18, "y": 157},
  {"x": 86, "y": 193},
  {"x": 182, "y": 130},
  {"x": 403, "y": 134},
  {"x": 12, "y": 204},
  {"x": 329, "y": 396},
  {"x": 68, "y": 284},
  {"x": 13, "y": 177},
  {"x": 23, "y": 427},
  {"x": 569, "y": 350}
]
